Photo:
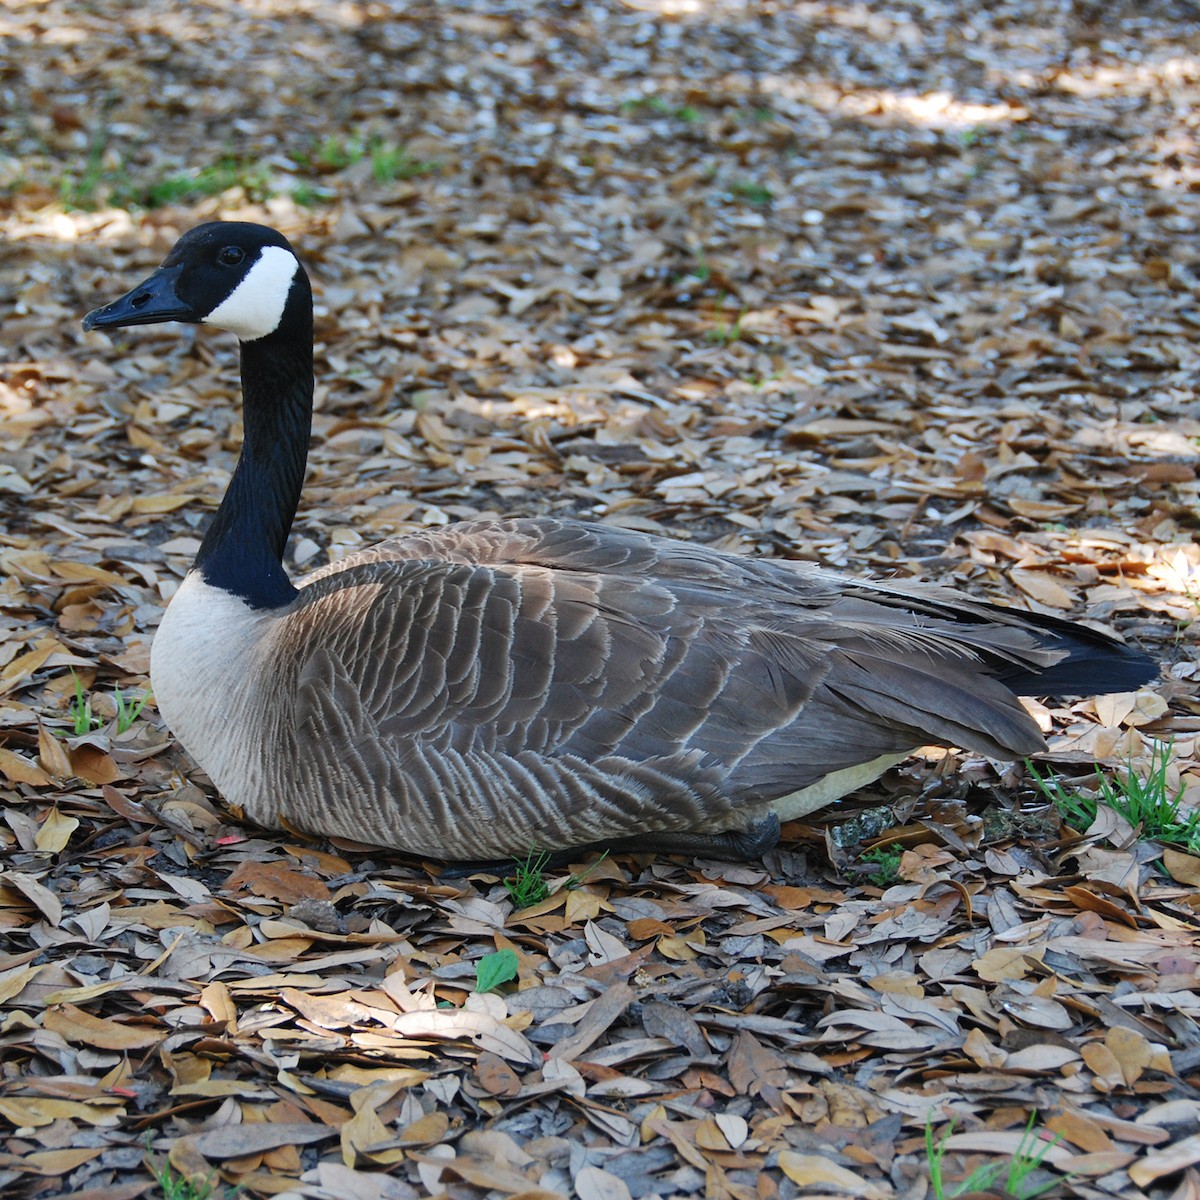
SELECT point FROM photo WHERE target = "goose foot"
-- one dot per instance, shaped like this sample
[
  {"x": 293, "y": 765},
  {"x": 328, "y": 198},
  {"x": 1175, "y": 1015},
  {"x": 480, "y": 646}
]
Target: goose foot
[{"x": 744, "y": 844}]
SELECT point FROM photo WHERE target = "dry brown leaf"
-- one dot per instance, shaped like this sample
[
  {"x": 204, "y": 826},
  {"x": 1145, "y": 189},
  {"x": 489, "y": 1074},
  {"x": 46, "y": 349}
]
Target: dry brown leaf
[
  {"x": 237, "y": 1141},
  {"x": 55, "y": 832},
  {"x": 752, "y": 1065},
  {"x": 1183, "y": 868},
  {"x": 52, "y": 755},
  {"x": 1080, "y": 1130},
  {"x": 594, "y": 1183},
  {"x": 277, "y": 882},
  {"x": 424, "y": 1131},
  {"x": 1105, "y": 1065},
  {"x": 1168, "y": 1160},
  {"x": 602, "y": 1012},
  {"x": 47, "y": 903},
  {"x": 810, "y": 1170},
  {"x": 16, "y": 768},
  {"x": 57, "y": 1162},
  {"x": 495, "y": 1075},
  {"x": 94, "y": 766},
  {"x": 1007, "y": 962},
  {"x": 80, "y": 1027}
]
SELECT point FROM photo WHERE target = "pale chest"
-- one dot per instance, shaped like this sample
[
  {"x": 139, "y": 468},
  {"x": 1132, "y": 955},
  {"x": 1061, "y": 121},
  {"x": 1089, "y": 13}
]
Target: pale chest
[{"x": 207, "y": 672}]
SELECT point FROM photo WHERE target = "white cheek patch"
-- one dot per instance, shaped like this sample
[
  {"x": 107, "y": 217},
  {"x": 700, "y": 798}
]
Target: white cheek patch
[{"x": 255, "y": 307}]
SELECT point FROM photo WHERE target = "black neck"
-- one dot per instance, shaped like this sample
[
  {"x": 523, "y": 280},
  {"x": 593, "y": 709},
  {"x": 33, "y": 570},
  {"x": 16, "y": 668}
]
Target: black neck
[{"x": 242, "y": 551}]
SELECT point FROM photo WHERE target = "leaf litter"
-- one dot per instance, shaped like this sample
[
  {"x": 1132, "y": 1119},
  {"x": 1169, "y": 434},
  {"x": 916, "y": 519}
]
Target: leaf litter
[{"x": 909, "y": 291}]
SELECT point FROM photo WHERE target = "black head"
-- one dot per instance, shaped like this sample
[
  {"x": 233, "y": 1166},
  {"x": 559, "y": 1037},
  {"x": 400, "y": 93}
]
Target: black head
[{"x": 229, "y": 274}]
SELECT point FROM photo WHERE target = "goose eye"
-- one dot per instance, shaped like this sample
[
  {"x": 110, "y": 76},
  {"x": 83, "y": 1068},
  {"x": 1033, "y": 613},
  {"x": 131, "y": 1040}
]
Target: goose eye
[{"x": 231, "y": 256}]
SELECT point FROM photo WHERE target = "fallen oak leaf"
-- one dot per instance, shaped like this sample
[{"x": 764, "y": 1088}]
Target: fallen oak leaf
[
  {"x": 52, "y": 755},
  {"x": 237, "y": 1141},
  {"x": 365, "y": 1137},
  {"x": 1167, "y": 1161},
  {"x": 276, "y": 881},
  {"x": 424, "y": 1131},
  {"x": 1007, "y": 962},
  {"x": 463, "y": 1025},
  {"x": 81, "y": 1028},
  {"x": 55, "y": 832},
  {"x": 808, "y": 1169},
  {"x": 14, "y": 981},
  {"x": 495, "y": 1076},
  {"x": 1183, "y": 868},
  {"x": 1042, "y": 587},
  {"x": 52, "y": 1162},
  {"x": 601, "y": 1013},
  {"x": 752, "y": 1065},
  {"x": 24, "y": 665},
  {"x": 47, "y": 903},
  {"x": 39, "y": 1111},
  {"x": 16, "y": 768},
  {"x": 113, "y": 1191},
  {"x": 131, "y": 810},
  {"x": 94, "y": 766},
  {"x": 595, "y": 1183}
]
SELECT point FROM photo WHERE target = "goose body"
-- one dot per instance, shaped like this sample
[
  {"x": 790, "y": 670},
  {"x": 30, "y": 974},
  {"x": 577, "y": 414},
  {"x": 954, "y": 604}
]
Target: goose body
[{"x": 500, "y": 686}]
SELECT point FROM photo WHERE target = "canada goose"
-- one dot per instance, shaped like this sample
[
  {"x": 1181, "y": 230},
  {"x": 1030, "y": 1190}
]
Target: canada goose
[{"x": 494, "y": 687}]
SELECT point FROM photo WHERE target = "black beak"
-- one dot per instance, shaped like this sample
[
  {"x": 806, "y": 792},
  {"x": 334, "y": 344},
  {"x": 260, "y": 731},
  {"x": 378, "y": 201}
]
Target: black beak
[{"x": 149, "y": 303}]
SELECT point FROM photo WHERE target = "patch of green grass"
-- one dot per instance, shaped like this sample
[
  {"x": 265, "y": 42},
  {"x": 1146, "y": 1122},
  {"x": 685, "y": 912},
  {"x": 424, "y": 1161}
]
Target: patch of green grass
[
  {"x": 1148, "y": 803},
  {"x": 527, "y": 885},
  {"x": 661, "y": 108},
  {"x": 307, "y": 195},
  {"x": 101, "y": 181},
  {"x": 178, "y": 1187},
  {"x": 1031, "y": 1152},
  {"x": 886, "y": 860},
  {"x": 335, "y": 153},
  {"x": 752, "y": 192},
  {"x": 79, "y": 189},
  {"x": 83, "y": 720},
  {"x": 390, "y": 161},
  {"x": 1077, "y": 809},
  {"x": 228, "y": 172},
  {"x": 128, "y": 711},
  {"x": 723, "y": 333}
]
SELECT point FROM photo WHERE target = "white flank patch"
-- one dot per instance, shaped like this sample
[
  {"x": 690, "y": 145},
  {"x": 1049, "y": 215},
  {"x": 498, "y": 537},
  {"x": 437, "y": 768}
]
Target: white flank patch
[
  {"x": 833, "y": 787},
  {"x": 255, "y": 307}
]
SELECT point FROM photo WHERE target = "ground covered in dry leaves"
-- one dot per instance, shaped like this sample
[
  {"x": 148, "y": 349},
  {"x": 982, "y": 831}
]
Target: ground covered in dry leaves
[{"x": 907, "y": 288}]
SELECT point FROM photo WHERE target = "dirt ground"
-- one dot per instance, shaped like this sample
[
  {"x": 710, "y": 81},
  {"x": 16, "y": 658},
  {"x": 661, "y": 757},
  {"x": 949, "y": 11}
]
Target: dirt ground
[{"x": 908, "y": 289}]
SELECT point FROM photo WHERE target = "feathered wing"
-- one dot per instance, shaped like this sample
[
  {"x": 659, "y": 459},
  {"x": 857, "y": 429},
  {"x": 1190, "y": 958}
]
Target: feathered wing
[{"x": 498, "y": 685}]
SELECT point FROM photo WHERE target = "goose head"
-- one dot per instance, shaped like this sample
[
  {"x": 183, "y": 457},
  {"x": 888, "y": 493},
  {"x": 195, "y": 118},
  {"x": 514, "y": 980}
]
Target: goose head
[{"x": 231, "y": 275}]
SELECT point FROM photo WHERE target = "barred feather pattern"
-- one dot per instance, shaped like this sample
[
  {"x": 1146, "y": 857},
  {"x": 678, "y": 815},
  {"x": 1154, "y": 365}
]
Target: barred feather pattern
[{"x": 476, "y": 691}]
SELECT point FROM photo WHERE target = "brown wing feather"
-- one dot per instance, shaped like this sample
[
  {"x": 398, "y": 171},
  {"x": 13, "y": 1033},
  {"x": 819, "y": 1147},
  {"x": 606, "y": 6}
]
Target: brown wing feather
[{"x": 499, "y": 684}]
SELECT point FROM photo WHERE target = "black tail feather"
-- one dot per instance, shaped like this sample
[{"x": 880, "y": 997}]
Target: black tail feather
[{"x": 1095, "y": 665}]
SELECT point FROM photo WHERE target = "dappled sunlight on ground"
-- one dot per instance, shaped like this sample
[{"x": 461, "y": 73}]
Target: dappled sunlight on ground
[{"x": 903, "y": 289}]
